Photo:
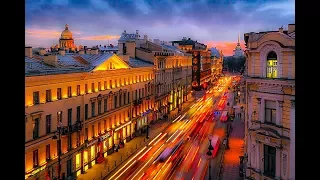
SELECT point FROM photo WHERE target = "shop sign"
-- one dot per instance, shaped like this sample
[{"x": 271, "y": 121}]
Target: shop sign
[
  {"x": 107, "y": 135},
  {"x": 92, "y": 142},
  {"x": 34, "y": 172}
]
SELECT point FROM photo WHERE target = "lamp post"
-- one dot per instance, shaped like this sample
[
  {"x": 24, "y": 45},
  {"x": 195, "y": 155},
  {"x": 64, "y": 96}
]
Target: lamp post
[
  {"x": 209, "y": 153},
  {"x": 59, "y": 148}
]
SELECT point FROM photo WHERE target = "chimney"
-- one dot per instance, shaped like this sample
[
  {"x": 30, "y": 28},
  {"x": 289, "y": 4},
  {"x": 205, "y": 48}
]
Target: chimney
[
  {"x": 62, "y": 52},
  {"x": 291, "y": 28},
  {"x": 42, "y": 52},
  {"x": 281, "y": 29},
  {"x": 125, "y": 58},
  {"x": 51, "y": 59},
  {"x": 94, "y": 51},
  {"x": 28, "y": 51}
]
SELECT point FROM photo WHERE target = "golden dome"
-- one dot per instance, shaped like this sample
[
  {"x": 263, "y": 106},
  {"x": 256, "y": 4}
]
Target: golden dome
[{"x": 66, "y": 34}]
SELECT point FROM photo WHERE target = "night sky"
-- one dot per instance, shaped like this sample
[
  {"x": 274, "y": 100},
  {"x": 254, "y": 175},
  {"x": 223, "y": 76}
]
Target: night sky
[{"x": 216, "y": 23}]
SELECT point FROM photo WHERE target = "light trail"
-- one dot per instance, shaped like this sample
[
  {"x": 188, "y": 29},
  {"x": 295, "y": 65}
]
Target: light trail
[
  {"x": 142, "y": 168},
  {"x": 160, "y": 139},
  {"x": 127, "y": 163},
  {"x": 154, "y": 139},
  {"x": 144, "y": 153}
]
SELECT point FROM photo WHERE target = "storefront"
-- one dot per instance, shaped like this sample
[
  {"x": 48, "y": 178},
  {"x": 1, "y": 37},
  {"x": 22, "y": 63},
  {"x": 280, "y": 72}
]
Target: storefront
[
  {"x": 105, "y": 143},
  {"x": 78, "y": 163},
  {"x": 121, "y": 133},
  {"x": 92, "y": 152}
]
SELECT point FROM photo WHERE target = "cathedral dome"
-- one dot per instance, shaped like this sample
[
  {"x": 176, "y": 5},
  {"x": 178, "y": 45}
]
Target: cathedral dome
[{"x": 66, "y": 34}]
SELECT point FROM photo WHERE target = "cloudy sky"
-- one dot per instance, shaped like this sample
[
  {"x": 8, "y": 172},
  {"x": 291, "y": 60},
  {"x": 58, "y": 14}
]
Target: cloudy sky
[{"x": 216, "y": 23}]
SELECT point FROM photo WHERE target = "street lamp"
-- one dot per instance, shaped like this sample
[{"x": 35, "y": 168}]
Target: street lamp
[
  {"x": 58, "y": 138},
  {"x": 209, "y": 153}
]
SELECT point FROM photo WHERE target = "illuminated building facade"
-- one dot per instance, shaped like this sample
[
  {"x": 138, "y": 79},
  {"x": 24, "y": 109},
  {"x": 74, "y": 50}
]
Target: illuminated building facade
[
  {"x": 270, "y": 99},
  {"x": 217, "y": 57},
  {"x": 97, "y": 100},
  {"x": 172, "y": 71},
  {"x": 201, "y": 62}
]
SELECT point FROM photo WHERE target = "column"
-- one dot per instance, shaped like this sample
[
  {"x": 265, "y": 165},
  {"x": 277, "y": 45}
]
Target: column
[
  {"x": 279, "y": 113},
  {"x": 249, "y": 151},
  {"x": 249, "y": 110},
  {"x": 259, "y": 110},
  {"x": 258, "y": 159},
  {"x": 278, "y": 164},
  {"x": 292, "y": 140}
]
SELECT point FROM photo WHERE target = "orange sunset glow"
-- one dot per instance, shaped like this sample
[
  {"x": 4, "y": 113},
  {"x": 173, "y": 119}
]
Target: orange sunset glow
[{"x": 226, "y": 47}]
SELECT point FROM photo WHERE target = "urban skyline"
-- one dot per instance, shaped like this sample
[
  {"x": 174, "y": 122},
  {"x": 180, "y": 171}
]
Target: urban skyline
[{"x": 101, "y": 22}]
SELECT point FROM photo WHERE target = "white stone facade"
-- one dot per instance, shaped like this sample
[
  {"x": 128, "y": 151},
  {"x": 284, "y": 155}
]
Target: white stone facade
[{"x": 270, "y": 111}]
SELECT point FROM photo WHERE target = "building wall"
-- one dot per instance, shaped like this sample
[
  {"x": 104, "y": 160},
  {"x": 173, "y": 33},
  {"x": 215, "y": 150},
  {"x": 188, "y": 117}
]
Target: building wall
[
  {"x": 123, "y": 80},
  {"x": 277, "y": 93}
]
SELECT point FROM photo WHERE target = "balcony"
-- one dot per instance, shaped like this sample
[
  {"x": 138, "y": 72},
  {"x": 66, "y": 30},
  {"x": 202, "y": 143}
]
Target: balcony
[{"x": 137, "y": 102}]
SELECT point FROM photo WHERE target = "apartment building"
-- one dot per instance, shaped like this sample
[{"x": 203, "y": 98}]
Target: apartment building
[{"x": 270, "y": 99}]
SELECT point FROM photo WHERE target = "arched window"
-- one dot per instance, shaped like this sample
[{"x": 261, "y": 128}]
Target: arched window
[{"x": 272, "y": 65}]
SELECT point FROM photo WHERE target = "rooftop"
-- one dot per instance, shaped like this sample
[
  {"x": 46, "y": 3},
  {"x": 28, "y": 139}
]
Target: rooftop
[{"x": 72, "y": 63}]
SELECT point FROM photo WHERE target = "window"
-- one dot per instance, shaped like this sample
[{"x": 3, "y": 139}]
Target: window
[
  {"x": 110, "y": 83},
  {"x": 269, "y": 161},
  {"x": 99, "y": 86},
  {"x": 272, "y": 65},
  {"x": 59, "y": 95},
  {"x": 36, "y": 97},
  {"x": 124, "y": 81},
  {"x": 105, "y": 102},
  {"x": 139, "y": 93},
  {"x": 48, "y": 156},
  {"x": 105, "y": 84},
  {"x": 115, "y": 101},
  {"x": 115, "y": 83},
  {"x": 120, "y": 82},
  {"x": 86, "y": 111},
  {"x": 99, "y": 107},
  {"x": 70, "y": 117},
  {"x": 99, "y": 127},
  {"x": 48, "y": 124},
  {"x": 92, "y": 128},
  {"x": 59, "y": 117},
  {"x": 136, "y": 97},
  {"x": 120, "y": 99},
  {"x": 78, "y": 113},
  {"x": 69, "y": 91},
  {"x": 48, "y": 95},
  {"x": 86, "y": 88},
  {"x": 128, "y": 97},
  {"x": 92, "y": 87},
  {"x": 78, "y": 90},
  {"x": 36, "y": 128},
  {"x": 86, "y": 133},
  {"x": 142, "y": 92},
  {"x": 105, "y": 124},
  {"x": 69, "y": 142},
  {"x": 270, "y": 112},
  {"x": 69, "y": 168},
  {"x": 93, "y": 109},
  {"x": 35, "y": 158},
  {"x": 124, "y": 98}
]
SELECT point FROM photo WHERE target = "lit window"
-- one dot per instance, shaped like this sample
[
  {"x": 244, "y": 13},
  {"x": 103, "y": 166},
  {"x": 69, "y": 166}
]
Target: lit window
[{"x": 272, "y": 65}]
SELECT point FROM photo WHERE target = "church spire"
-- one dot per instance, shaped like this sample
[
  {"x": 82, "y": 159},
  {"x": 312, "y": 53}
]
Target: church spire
[{"x": 239, "y": 38}]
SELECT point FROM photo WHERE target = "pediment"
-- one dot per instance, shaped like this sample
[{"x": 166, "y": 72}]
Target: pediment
[
  {"x": 114, "y": 62},
  {"x": 281, "y": 38},
  {"x": 268, "y": 132}
]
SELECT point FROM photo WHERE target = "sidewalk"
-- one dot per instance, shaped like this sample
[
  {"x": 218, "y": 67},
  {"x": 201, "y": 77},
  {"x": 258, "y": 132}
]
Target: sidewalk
[
  {"x": 112, "y": 161},
  {"x": 231, "y": 160}
]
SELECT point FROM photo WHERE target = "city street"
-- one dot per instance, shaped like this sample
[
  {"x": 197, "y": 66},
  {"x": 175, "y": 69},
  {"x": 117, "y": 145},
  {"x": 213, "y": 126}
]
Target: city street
[{"x": 179, "y": 151}]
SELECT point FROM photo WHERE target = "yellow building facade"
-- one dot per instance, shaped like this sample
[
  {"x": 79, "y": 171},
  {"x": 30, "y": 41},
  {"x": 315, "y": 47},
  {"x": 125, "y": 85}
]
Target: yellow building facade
[
  {"x": 270, "y": 99},
  {"x": 90, "y": 102}
]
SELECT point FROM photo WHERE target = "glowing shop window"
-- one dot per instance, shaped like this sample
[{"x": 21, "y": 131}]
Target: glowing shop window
[
  {"x": 85, "y": 156},
  {"x": 78, "y": 161},
  {"x": 92, "y": 152}
]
